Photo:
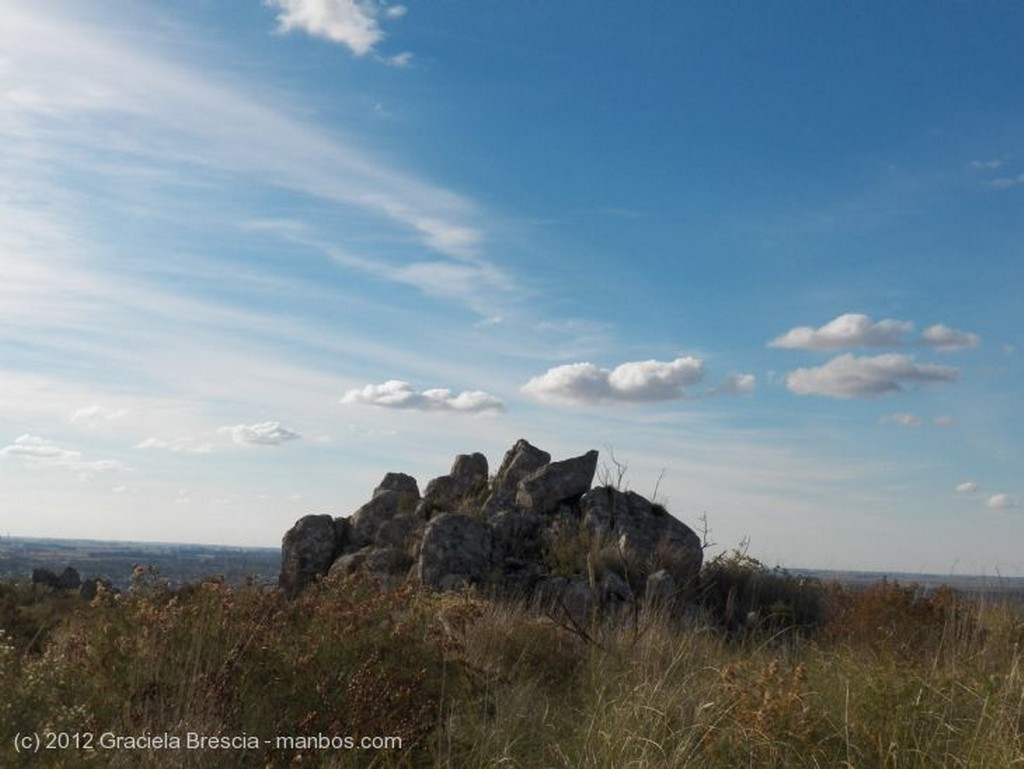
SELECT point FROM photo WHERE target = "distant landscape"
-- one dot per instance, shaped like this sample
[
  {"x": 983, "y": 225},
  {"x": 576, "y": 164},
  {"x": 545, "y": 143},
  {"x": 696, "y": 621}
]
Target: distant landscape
[
  {"x": 176, "y": 563},
  {"x": 180, "y": 563}
]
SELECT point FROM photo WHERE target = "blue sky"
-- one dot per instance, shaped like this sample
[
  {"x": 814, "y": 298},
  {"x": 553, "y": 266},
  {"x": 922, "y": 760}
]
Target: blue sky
[{"x": 256, "y": 254}]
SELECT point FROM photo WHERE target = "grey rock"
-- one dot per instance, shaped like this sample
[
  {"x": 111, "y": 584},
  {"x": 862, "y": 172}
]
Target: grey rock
[
  {"x": 615, "y": 592},
  {"x": 519, "y": 536},
  {"x": 646, "y": 536},
  {"x": 453, "y": 492},
  {"x": 400, "y": 482},
  {"x": 543, "y": 490},
  {"x": 661, "y": 592},
  {"x": 571, "y": 600},
  {"x": 350, "y": 563},
  {"x": 365, "y": 522},
  {"x": 520, "y": 461},
  {"x": 454, "y": 545},
  {"x": 403, "y": 532},
  {"x": 307, "y": 552}
]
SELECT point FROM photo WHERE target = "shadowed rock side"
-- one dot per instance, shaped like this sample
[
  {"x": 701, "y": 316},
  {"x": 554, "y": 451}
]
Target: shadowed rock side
[{"x": 535, "y": 530}]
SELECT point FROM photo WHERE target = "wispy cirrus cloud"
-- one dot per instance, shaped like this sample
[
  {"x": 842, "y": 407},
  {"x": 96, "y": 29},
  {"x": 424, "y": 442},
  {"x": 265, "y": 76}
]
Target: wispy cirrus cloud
[
  {"x": 848, "y": 376},
  {"x": 1005, "y": 182},
  {"x": 39, "y": 452},
  {"x": 96, "y": 415},
  {"x": 81, "y": 85},
  {"x": 182, "y": 445},
  {"x": 902, "y": 418},
  {"x": 396, "y": 394}
]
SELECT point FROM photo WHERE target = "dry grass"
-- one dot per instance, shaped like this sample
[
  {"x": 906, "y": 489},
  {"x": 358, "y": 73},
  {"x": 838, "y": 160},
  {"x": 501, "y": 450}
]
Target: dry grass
[{"x": 888, "y": 678}]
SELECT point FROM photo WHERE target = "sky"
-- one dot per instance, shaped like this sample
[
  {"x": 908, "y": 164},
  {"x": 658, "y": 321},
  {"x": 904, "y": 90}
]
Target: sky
[{"x": 766, "y": 256}]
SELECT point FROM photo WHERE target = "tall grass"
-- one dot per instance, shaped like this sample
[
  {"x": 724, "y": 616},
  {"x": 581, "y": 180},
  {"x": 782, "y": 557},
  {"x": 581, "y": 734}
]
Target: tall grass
[{"x": 886, "y": 678}]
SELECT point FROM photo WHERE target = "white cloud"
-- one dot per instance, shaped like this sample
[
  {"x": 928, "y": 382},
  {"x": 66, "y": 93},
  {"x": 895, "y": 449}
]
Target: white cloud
[
  {"x": 1001, "y": 502},
  {"x": 944, "y": 420},
  {"x": 399, "y": 60},
  {"x": 986, "y": 165},
  {"x": 260, "y": 434},
  {"x": 93, "y": 416},
  {"x": 396, "y": 11},
  {"x": 39, "y": 452},
  {"x": 902, "y": 419},
  {"x": 851, "y": 377},
  {"x": 185, "y": 445},
  {"x": 948, "y": 339},
  {"x": 395, "y": 394},
  {"x": 636, "y": 381},
  {"x": 350, "y": 22},
  {"x": 1006, "y": 182},
  {"x": 849, "y": 330},
  {"x": 736, "y": 384},
  {"x": 967, "y": 487}
]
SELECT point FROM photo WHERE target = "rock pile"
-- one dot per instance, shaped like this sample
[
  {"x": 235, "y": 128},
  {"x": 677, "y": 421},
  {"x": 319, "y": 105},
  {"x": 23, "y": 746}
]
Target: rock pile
[{"x": 536, "y": 529}]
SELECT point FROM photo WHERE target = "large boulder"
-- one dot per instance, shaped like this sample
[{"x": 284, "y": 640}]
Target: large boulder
[
  {"x": 400, "y": 482},
  {"x": 521, "y": 460},
  {"x": 307, "y": 552},
  {"x": 366, "y": 522},
  {"x": 456, "y": 550},
  {"x": 645, "y": 535},
  {"x": 543, "y": 490},
  {"x": 466, "y": 482}
]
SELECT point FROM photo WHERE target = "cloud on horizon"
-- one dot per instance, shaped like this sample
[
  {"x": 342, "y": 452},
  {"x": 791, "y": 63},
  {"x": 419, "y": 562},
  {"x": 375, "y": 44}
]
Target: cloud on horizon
[
  {"x": 396, "y": 394},
  {"x": 1001, "y": 502},
  {"x": 848, "y": 376}
]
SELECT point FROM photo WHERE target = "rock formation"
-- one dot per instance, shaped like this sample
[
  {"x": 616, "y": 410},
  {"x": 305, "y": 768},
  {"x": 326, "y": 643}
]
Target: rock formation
[{"x": 534, "y": 530}]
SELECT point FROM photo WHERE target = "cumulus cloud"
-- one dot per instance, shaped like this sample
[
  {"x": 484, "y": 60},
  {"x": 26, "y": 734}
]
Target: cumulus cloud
[
  {"x": 1001, "y": 502},
  {"x": 967, "y": 487},
  {"x": 93, "y": 416},
  {"x": 260, "y": 434},
  {"x": 353, "y": 23},
  {"x": 902, "y": 418},
  {"x": 396, "y": 394},
  {"x": 42, "y": 453},
  {"x": 851, "y": 377},
  {"x": 184, "y": 445},
  {"x": 948, "y": 339},
  {"x": 636, "y": 381},
  {"x": 849, "y": 330}
]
